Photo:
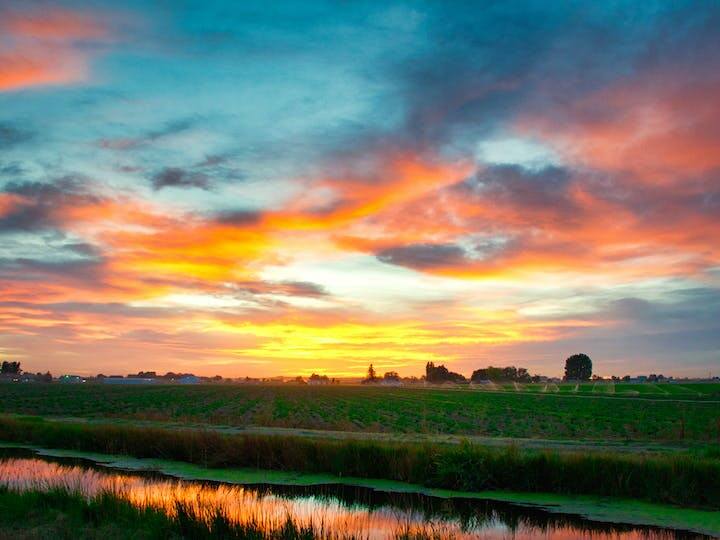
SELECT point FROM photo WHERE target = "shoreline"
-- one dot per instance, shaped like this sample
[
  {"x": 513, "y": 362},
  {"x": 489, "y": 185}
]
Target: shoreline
[{"x": 601, "y": 509}]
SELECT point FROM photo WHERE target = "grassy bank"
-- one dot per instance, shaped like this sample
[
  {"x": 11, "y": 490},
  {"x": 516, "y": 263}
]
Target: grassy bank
[
  {"x": 390, "y": 410},
  {"x": 597, "y": 509},
  {"x": 674, "y": 479}
]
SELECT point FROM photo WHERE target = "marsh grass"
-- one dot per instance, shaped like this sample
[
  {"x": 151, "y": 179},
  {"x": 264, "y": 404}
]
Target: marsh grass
[
  {"x": 63, "y": 514},
  {"x": 681, "y": 479}
]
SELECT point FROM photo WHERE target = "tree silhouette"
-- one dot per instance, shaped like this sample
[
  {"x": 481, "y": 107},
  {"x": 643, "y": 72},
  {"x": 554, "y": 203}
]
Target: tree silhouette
[
  {"x": 578, "y": 367},
  {"x": 391, "y": 376},
  {"x": 441, "y": 374},
  {"x": 12, "y": 368}
]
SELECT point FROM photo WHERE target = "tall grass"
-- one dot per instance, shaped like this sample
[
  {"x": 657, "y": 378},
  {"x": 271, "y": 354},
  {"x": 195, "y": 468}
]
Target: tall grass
[
  {"x": 64, "y": 514},
  {"x": 669, "y": 478}
]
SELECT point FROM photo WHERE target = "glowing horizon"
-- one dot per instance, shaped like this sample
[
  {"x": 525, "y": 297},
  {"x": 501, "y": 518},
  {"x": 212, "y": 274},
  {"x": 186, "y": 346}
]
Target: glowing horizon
[{"x": 251, "y": 191}]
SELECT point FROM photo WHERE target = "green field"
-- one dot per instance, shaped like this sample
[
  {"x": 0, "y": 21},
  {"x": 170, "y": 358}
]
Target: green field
[
  {"x": 710, "y": 391},
  {"x": 533, "y": 413}
]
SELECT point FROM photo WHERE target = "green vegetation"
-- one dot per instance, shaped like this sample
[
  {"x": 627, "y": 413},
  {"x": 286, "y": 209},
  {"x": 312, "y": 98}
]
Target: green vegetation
[
  {"x": 667, "y": 478},
  {"x": 579, "y": 412}
]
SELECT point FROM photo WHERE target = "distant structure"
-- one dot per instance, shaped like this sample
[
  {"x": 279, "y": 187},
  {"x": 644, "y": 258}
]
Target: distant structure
[
  {"x": 128, "y": 380},
  {"x": 71, "y": 379}
]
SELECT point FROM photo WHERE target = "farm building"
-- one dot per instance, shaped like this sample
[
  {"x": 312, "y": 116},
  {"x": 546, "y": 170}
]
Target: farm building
[
  {"x": 71, "y": 379},
  {"x": 129, "y": 380}
]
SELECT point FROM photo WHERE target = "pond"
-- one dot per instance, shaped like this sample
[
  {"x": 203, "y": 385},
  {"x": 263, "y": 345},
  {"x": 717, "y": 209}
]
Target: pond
[{"x": 343, "y": 511}]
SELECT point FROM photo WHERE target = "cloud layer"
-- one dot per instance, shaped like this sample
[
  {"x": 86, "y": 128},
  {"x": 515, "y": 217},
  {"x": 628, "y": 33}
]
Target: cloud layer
[{"x": 255, "y": 191}]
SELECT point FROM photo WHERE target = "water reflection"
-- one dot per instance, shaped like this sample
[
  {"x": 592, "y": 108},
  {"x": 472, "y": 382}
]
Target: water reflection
[{"x": 342, "y": 510}]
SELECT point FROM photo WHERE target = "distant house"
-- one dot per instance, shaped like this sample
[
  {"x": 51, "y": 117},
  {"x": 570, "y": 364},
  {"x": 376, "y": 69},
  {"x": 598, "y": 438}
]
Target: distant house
[
  {"x": 189, "y": 379},
  {"x": 129, "y": 380},
  {"x": 71, "y": 379}
]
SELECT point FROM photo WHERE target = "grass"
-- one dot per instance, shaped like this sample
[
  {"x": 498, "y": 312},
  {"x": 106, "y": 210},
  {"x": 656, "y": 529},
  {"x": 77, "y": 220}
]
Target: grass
[
  {"x": 533, "y": 411},
  {"x": 678, "y": 479},
  {"x": 683, "y": 390},
  {"x": 61, "y": 514},
  {"x": 556, "y": 507}
]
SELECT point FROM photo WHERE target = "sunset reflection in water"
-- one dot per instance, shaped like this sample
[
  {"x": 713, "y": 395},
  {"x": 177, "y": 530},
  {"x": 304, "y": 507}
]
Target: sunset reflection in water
[{"x": 337, "y": 519}]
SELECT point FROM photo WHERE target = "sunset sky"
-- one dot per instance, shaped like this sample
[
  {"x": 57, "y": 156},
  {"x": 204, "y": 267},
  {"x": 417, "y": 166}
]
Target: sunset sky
[{"x": 284, "y": 188}]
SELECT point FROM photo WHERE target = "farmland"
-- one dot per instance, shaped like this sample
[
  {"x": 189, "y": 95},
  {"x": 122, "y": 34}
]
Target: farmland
[
  {"x": 631, "y": 413},
  {"x": 659, "y": 450},
  {"x": 604, "y": 388}
]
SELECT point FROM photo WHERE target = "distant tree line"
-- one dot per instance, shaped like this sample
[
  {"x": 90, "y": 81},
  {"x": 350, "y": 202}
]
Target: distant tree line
[
  {"x": 578, "y": 367},
  {"x": 10, "y": 368},
  {"x": 388, "y": 377},
  {"x": 13, "y": 370},
  {"x": 501, "y": 374},
  {"x": 441, "y": 374}
]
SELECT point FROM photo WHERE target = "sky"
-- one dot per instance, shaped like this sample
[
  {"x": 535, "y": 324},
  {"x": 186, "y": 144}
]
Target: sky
[{"x": 257, "y": 188}]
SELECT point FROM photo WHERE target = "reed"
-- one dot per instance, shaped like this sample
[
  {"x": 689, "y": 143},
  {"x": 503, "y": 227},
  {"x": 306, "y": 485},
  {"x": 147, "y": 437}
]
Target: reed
[
  {"x": 681, "y": 479},
  {"x": 63, "y": 514}
]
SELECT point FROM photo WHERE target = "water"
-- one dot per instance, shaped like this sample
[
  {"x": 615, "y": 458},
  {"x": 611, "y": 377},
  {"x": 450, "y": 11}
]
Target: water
[{"x": 343, "y": 510}]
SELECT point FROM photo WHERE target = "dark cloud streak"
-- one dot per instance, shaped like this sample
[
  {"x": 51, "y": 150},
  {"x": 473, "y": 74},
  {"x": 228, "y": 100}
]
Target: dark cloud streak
[{"x": 179, "y": 178}]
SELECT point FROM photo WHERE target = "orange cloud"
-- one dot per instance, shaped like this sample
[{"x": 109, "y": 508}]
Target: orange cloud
[
  {"x": 611, "y": 233},
  {"x": 661, "y": 126},
  {"x": 394, "y": 180},
  {"x": 152, "y": 256}
]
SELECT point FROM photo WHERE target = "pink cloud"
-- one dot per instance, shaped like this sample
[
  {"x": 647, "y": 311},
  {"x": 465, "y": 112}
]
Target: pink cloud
[{"x": 48, "y": 48}]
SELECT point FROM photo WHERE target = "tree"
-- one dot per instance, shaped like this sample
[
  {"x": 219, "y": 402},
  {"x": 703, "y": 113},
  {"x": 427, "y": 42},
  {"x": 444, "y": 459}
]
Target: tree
[
  {"x": 441, "y": 374},
  {"x": 391, "y": 376},
  {"x": 10, "y": 368},
  {"x": 371, "y": 375},
  {"x": 319, "y": 379},
  {"x": 578, "y": 367},
  {"x": 501, "y": 374}
]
